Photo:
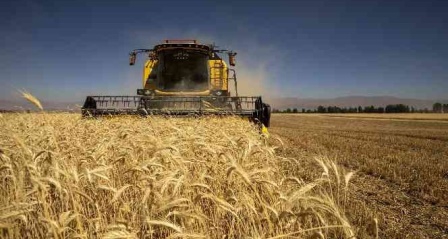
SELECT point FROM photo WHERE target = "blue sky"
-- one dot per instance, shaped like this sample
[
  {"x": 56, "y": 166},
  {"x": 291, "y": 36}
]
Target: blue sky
[{"x": 65, "y": 50}]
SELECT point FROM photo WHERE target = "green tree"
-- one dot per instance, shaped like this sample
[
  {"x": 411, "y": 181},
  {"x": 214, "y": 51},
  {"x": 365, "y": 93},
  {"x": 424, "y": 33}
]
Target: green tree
[
  {"x": 437, "y": 107},
  {"x": 400, "y": 108},
  {"x": 321, "y": 109},
  {"x": 295, "y": 111}
]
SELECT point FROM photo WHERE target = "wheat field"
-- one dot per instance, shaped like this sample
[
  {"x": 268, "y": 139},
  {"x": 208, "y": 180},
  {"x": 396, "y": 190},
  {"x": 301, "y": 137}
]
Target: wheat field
[
  {"x": 159, "y": 177},
  {"x": 401, "y": 167}
]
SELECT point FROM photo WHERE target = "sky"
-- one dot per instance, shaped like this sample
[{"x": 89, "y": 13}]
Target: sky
[{"x": 64, "y": 50}]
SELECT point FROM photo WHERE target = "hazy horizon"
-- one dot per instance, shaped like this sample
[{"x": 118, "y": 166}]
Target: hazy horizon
[{"x": 18, "y": 97}]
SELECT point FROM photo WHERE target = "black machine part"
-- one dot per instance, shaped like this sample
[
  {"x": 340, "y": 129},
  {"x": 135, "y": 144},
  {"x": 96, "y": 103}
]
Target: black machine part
[{"x": 249, "y": 107}]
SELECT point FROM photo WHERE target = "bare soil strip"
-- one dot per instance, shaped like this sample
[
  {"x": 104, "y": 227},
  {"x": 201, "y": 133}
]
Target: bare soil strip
[{"x": 402, "y": 168}]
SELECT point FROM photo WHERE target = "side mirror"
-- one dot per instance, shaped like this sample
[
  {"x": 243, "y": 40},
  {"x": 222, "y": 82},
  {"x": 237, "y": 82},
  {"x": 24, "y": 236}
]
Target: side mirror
[
  {"x": 232, "y": 58},
  {"x": 132, "y": 57}
]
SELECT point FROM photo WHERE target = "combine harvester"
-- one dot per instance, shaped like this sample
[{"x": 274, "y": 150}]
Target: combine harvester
[{"x": 183, "y": 77}]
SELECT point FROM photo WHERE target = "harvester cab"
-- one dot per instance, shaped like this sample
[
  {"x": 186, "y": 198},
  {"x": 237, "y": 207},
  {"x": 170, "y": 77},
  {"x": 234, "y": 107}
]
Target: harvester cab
[{"x": 183, "y": 77}]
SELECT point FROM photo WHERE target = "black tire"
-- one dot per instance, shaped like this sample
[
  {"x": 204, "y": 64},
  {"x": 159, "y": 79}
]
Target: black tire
[{"x": 266, "y": 117}]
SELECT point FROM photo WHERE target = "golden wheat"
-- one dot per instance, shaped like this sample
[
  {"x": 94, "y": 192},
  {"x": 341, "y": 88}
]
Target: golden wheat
[
  {"x": 129, "y": 177},
  {"x": 28, "y": 96}
]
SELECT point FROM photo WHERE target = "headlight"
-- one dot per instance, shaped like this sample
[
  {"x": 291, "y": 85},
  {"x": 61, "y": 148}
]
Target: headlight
[
  {"x": 218, "y": 93},
  {"x": 147, "y": 92}
]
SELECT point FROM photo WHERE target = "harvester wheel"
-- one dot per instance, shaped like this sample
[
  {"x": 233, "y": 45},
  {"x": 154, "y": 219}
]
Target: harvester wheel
[{"x": 266, "y": 118}]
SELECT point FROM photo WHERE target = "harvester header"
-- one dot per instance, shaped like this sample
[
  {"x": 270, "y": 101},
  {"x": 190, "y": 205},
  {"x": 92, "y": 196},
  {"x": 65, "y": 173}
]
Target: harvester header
[{"x": 183, "y": 77}]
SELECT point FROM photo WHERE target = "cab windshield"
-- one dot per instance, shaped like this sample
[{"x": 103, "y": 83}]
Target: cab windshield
[{"x": 183, "y": 70}]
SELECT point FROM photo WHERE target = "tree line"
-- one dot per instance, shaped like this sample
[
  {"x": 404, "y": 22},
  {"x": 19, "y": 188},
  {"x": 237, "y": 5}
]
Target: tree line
[
  {"x": 440, "y": 108},
  {"x": 393, "y": 108}
]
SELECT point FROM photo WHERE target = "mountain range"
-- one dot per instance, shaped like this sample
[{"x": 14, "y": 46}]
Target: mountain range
[
  {"x": 47, "y": 105},
  {"x": 350, "y": 101},
  {"x": 277, "y": 103}
]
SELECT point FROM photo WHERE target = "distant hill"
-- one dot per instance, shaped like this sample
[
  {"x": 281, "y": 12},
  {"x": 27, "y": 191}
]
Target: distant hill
[
  {"x": 278, "y": 103},
  {"x": 349, "y": 101},
  {"x": 25, "y": 105}
]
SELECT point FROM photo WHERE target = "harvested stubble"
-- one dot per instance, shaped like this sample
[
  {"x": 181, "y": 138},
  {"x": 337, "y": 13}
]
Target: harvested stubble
[{"x": 128, "y": 177}]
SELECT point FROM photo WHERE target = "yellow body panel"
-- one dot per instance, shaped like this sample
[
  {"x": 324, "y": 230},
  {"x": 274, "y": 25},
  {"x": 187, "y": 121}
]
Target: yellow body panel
[
  {"x": 147, "y": 70},
  {"x": 183, "y": 93},
  {"x": 218, "y": 78},
  {"x": 218, "y": 75}
]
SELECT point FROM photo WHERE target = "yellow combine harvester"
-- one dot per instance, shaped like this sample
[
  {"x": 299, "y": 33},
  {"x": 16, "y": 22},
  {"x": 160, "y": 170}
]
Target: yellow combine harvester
[{"x": 183, "y": 77}]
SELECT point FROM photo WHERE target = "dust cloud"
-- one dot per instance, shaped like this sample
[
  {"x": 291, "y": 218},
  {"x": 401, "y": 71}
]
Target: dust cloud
[
  {"x": 256, "y": 67},
  {"x": 253, "y": 81}
]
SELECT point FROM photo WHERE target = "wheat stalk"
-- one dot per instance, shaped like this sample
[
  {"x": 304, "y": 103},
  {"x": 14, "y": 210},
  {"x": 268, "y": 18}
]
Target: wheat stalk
[{"x": 28, "y": 96}]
